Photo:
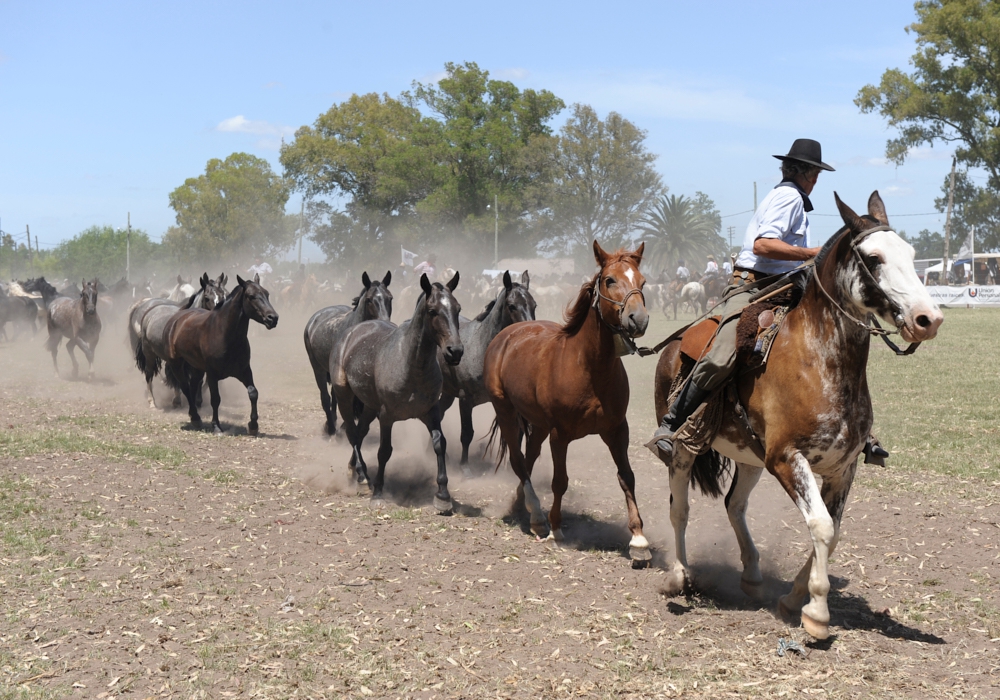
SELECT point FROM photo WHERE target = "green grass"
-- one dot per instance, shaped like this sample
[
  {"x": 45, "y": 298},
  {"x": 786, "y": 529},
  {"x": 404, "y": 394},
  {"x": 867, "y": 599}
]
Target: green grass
[
  {"x": 21, "y": 443},
  {"x": 936, "y": 410},
  {"x": 21, "y": 515}
]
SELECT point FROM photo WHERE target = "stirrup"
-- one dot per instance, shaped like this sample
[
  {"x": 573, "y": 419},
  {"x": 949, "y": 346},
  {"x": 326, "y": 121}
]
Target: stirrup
[
  {"x": 874, "y": 452},
  {"x": 662, "y": 444}
]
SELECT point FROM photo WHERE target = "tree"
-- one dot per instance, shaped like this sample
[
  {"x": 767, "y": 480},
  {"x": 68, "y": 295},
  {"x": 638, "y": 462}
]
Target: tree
[
  {"x": 952, "y": 95},
  {"x": 680, "y": 227},
  {"x": 977, "y": 207},
  {"x": 236, "y": 207},
  {"x": 927, "y": 244},
  {"x": 100, "y": 251},
  {"x": 604, "y": 181}
]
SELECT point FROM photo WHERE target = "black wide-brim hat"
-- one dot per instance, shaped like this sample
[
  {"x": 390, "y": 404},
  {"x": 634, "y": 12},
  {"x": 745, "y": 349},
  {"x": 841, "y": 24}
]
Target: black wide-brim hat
[{"x": 806, "y": 151}]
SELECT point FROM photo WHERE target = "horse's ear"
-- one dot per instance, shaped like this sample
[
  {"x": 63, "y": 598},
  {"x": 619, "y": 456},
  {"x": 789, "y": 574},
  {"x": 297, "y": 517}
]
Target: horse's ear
[
  {"x": 204, "y": 279},
  {"x": 507, "y": 283},
  {"x": 240, "y": 281},
  {"x": 365, "y": 279},
  {"x": 853, "y": 221},
  {"x": 387, "y": 279},
  {"x": 256, "y": 278},
  {"x": 525, "y": 280},
  {"x": 637, "y": 253},
  {"x": 453, "y": 282},
  {"x": 599, "y": 255},
  {"x": 425, "y": 284},
  {"x": 876, "y": 209}
]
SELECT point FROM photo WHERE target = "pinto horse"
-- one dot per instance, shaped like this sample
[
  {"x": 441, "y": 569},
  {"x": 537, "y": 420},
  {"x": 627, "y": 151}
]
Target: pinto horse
[
  {"x": 213, "y": 345},
  {"x": 810, "y": 412},
  {"x": 327, "y": 327},
  {"x": 77, "y": 320},
  {"x": 392, "y": 372},
  {"x": 464, "y": 381},
  {"x": 566, "y": 382}
]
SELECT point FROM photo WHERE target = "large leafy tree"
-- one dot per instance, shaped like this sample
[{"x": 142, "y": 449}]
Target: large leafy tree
[
  {"x": 236, "y": 208},
  {"x": 603, "y": 183},
  {"x": 927, "y": 244},
  {"x": 100, "y": 251},
  {"x": 681, "y": 227},
  {"x": 951, "y": 96}
]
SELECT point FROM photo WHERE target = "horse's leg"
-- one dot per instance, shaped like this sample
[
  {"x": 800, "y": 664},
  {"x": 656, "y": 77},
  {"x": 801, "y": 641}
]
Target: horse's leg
[
  {"x": 53, "y": 346},
  {"x": 246, "y": 376},
  {"x": 88, "y": 350},
  {"x": 745, "y": 478},
  {"x": 364, "y": 423},
  {"x": 510, "y": 434},
  {"x": 213, "y": 390},
  {"x": 384, "y": 453},
  {"x": 184, "y": 377},
  {"x": 72, "y": 356},
  {"x": 796, "y": 476},
  {"x": 617, "y": 442},
  {"x": 532, "y": 450},
  {"x": 678, "y": 580},
  {"x": 560, "y": 481},
  {"x": 468, "y": 431},
  {"x": 442, "y": 499},
  {"x": 324, "y": 399}
]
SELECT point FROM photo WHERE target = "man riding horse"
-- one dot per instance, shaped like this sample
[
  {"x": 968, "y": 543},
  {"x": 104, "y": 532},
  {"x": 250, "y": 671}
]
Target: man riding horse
[{"x": 777, "y": 241}]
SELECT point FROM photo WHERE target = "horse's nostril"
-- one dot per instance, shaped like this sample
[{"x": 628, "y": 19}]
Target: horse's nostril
[{"x": 923, "y": 321}]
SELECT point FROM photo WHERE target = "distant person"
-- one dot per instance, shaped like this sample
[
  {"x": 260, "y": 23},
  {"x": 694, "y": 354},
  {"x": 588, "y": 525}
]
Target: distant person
[
  {"x": 712, "y": 267},
  {"x": 427, "y": 267},
  {"x": 727, "y": 268},
  {"x": 682, "y": 276},
  {"x": 261, "y": 268}
]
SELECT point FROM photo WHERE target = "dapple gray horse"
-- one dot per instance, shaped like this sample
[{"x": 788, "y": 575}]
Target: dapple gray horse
[
  {"x": 77, "y": 320},
  {"x": 393, "y": 373}
]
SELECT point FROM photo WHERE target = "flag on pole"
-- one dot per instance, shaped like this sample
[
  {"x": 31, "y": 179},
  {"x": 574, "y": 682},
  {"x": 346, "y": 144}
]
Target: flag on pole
[
  {"x": 965, "y": 252},
  {"x": 409, "y": 258}
]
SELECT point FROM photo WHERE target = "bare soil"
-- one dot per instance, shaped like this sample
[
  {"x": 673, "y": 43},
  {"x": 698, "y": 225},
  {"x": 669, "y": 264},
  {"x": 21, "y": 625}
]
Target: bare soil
[{"x": 140, "y": 558}]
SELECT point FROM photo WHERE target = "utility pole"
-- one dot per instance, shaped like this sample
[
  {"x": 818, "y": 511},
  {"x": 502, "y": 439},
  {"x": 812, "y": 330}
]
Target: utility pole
[
  {"x": 947, "y": 222},
  {"x": 31, "y": 252},
  {"x": 755, "y": 196},
  {"x": 302, "y": 221},
  {"x": 128, "y": 247},
  {"x": 496, "y": 232},
  {"x": 732, "y": 230}
]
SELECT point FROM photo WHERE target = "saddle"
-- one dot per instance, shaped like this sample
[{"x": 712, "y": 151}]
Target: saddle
[{"x": 756, "y": 330}]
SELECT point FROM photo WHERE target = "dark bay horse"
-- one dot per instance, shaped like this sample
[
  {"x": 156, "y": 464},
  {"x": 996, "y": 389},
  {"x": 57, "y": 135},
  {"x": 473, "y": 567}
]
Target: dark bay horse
[
  {"x": 213, "y": 345},
  {"x": 392, "y": 373},
  {"x": 464, "y": 381},
  {"x": 327, "y": 328},
  {"x": 567, "y": 382},
  {"x": 77, "y": 320},
  {"x": 809, "y": 408},
  {"x": 147, "y": 322}
]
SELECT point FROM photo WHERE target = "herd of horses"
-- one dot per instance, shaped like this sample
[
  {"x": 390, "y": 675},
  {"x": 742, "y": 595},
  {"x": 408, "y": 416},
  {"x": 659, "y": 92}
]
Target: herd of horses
[{"x": 804, "y": 414}]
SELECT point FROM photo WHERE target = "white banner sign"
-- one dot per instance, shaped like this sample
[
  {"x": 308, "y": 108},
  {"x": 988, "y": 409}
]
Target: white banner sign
[{"x": 973, "y": 295}]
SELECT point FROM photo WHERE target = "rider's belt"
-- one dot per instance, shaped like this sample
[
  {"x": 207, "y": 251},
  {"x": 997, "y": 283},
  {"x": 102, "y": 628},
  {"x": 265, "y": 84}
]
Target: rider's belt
[{"x": 742, "y": 275}]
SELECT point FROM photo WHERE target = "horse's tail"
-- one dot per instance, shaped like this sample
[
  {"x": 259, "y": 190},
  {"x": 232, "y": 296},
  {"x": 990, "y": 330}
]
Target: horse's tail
[
  {"x": 171, "y": 379},
  {"x": 708, "y": 471},
  {"x": 142, "y": 362},
  {"x": 502, "y": 446}
]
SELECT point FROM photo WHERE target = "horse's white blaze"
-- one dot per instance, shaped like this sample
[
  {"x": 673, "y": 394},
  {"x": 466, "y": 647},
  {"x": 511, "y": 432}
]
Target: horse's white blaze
[
  {"x": 630, "y": 275},
  {"x": 898, "y": 279}
]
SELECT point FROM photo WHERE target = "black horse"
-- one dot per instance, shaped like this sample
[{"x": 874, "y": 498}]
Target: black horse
[{"x": 327, "y": 328}]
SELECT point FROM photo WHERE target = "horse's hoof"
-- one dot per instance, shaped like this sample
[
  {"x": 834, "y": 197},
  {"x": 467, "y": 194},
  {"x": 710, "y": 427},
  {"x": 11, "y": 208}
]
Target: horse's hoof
[
  {"x": 753, "y": 589},
  {"x": 788, "y": 613},
  {"x": 640, "y": 564},
  {"x": 377, "y": 503},
  {"x": 176, "y": 403},
  {"x": 676, "y": 583},
  {"x": 217, "y": 430},
  {"x": 442, "y": 506},
  {"x": 639, "y": 554},
  {"x": 466, "y": 472},
  {"x": 364, "y": 488},
  {"x": 556, "y": 535},
  {"x": 252, "y": 431},
  {"x": 540, "y": 530},
  {"x": 816, "y": 630}
]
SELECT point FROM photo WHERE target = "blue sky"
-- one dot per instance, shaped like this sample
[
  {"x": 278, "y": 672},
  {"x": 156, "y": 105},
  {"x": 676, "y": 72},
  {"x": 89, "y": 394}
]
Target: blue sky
[{"x": 107, "y": 107}]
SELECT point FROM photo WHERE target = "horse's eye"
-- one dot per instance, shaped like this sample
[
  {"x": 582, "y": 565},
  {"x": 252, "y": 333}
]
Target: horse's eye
[
  {"x": 609, "y": 282},
  {"x": 872, "y": 261},
  {"x": 432, "y": 312}
]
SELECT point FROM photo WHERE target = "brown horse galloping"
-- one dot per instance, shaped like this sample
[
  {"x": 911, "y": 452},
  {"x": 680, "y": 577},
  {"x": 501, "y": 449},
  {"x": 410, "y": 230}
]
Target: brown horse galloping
[
  {"x": 567, "y": 382},
  {"x": 809, "y": 410},
  {"x": 78, "y": 321}
]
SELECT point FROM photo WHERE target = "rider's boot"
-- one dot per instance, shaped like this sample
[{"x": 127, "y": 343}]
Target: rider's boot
[
  {"x": 662, "y": 444},
  {"x": 874, "y": 452}
]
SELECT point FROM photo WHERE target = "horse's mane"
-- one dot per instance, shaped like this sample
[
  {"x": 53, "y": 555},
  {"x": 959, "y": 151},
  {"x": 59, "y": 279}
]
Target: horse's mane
[
  {"x": 485, "y": 312},
  {"x": 576, "y": 314},
  {"x": 190, "y": 301},
  {"x": 231, "y": 294}
]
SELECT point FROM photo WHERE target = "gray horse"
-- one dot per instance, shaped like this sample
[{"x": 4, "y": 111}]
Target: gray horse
[
  {"x": 77, "y": 320},
  {"x": 327, "y": 328},
  {"x": 464, "y": 381},
  {"x": 393, "y": 373},
  {"x": 148, "y": 318}
]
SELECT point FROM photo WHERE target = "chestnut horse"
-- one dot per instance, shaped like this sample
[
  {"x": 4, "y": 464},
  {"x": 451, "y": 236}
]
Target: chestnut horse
[
  {"x": 567, "y": 382},
  {"x": 77, "y": 320},
  {"x": 809, "y": 409}
]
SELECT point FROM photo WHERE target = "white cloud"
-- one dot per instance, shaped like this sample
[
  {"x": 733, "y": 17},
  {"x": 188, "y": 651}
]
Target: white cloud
[
  {"x": 241, "y": 125},
  {"x": 511, "y": 73}
]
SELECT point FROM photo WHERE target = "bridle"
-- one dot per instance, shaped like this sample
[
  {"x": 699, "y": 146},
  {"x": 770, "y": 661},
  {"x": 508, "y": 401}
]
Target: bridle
[
  {"x": 618, "y": 330},
  {"x": 894, "y": 308}
]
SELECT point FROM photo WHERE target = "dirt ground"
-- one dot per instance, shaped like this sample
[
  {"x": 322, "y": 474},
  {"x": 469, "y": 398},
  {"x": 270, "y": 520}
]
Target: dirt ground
[{"x": 140, "y": 558}]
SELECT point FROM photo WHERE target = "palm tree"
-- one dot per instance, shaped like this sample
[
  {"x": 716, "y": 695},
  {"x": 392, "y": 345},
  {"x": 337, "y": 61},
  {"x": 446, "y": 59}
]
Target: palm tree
[{"x": 681, "y": 227}]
